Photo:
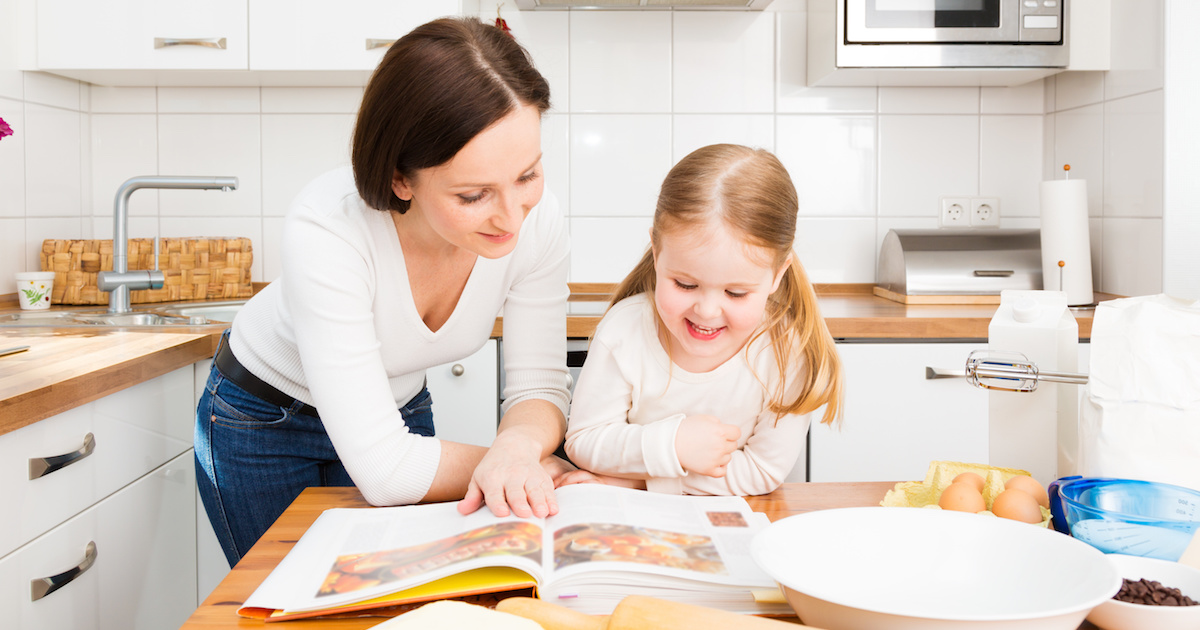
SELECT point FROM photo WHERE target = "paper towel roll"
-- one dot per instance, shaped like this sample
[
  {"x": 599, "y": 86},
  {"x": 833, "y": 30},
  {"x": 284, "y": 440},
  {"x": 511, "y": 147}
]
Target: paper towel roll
[{"x": 1065, "y": 240}]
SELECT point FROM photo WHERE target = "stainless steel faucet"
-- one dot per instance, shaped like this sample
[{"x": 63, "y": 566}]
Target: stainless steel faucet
[{"x": 120, "y": 281}]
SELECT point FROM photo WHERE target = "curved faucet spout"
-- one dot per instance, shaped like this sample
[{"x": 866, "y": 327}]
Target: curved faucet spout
[{"x": 120, "y": 281}]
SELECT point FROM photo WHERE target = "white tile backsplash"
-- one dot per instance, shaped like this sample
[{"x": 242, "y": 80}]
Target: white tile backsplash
[
  {"x": 929, "y": 100},
  {"x": 209, "y": 100},
  {"x": 123, "y": 100},
  {"x": 692, "y": 131},
  {"x": 923, "y": 158},
  {"x": 1010, "y": 152},
  {"x": 52, "y": 90},
  {"x": 295, "y": 149},
  {"x": 12, "y": 160},
  {"x": 123, "y": 146},
  {"x": 837, "y": 250},
  {"x": 620, "y": 61},
  {"x": 52, "y": 162},
  {"x": 309, "y": 100},
  {"x": 605, "y": 250},
  {"x": 1079, "y": 142},
  {"x": 216, "y": 145},
  {"x": 1133, "y": 156},
  {"x": 632, "y": 92},
  {"x": 723, "y": 62},
  {"x": 618, "y": 162},
  {"x": 832, "y": 163},
  {"x": 1132, "y": 256}
]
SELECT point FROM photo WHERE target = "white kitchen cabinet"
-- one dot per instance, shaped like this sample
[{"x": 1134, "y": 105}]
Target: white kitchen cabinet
[
  {"x": 466, "y": 397},
  {"x": 130, "y": 433},
  {"x": 143, "y": 573},
  {"x": 142, "y": 35},
  {"x": 896, "y": 421},
  {"x": 316, "y": 35}
]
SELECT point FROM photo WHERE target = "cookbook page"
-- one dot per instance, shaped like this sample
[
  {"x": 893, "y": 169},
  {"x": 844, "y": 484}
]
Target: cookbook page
[
  {"x": 603, "y": 529},
  {"x": 351, "y": 555}
]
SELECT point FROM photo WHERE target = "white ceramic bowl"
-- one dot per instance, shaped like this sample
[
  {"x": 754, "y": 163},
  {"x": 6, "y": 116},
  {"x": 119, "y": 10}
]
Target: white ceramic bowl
[
  {"x": 877, "y": 568},
  {"x": 1116, "y": 615}
]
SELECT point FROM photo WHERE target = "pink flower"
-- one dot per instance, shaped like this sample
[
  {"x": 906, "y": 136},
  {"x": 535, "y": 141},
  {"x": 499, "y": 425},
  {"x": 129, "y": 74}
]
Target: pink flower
[{"x": 5, "y": 130}]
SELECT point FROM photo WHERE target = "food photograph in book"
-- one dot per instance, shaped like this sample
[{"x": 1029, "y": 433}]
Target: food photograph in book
[
  {"x": 355, "y": 572},
  {"x": 610, "y": 542}
]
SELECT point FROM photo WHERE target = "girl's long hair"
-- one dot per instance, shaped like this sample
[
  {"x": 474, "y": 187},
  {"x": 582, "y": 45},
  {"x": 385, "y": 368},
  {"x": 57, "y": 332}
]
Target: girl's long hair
[{"x": 750, "y": 192}]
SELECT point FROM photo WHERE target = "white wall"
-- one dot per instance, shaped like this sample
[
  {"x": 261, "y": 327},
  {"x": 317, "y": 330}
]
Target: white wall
[
  {"x": 1109, "y": 126},
  {"x": 633, "y": 92}
]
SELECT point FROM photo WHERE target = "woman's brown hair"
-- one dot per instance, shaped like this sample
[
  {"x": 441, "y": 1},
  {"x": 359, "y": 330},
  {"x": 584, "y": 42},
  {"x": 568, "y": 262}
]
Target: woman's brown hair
[
  {"x": 750, "y": 192},
  {"x": 435, "y": 89}
]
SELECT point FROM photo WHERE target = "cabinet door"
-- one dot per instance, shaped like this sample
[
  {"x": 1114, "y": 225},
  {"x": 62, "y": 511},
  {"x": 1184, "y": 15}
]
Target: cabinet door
[
  {"x": 143, "y": 574},
  {"x": 466, "y": 397},
  {"x": 109, "y": 442},
  {"x": 895, "y": 420},
  {"x": 142, "y": 34},
  {"x": 318, "y": 35}
]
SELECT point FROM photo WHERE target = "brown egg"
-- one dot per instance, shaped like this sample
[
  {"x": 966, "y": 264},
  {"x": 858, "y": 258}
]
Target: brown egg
[
  {"x": 1029, "y": 486},
  {"x": 962, "y": 497},
  {"x": 970, "y": 478},
  {"x": 1017, "y": 505}
]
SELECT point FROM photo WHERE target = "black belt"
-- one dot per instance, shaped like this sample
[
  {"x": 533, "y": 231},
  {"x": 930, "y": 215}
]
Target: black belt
[{"x": 233, "y": 370}]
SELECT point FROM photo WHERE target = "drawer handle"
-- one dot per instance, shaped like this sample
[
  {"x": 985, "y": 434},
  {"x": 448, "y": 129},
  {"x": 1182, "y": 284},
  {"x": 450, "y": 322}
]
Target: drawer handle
[
  {"x": 458, "y": 370},
  {"x": 993, "y": 273},
  {"x": 208, "y": 42},
  {"x": 42, "y": 466},
  {"x": 42, "y": 587},
  {"x": 932, "y": 373},
  {"x": 372, "y": 44}
]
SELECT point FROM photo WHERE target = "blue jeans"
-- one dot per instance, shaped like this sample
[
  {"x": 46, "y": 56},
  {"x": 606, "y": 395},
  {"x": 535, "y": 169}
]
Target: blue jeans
[{"x": 254, "y": 458}]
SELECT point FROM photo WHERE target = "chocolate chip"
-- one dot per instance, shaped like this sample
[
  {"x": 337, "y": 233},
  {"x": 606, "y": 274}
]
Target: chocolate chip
[{"x": 1152, "y": 593}]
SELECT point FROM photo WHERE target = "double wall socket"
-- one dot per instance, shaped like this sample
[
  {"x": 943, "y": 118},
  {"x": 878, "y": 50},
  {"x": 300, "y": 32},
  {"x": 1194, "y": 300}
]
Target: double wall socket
[{"x": 969, "y": 212}]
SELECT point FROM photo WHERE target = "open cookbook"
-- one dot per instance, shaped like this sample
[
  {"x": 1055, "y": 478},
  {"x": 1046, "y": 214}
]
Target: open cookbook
[{"x": 604, "y": 543}]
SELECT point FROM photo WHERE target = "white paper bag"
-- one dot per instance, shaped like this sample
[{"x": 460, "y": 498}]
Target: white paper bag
[{"x": 1140, "y": 414}]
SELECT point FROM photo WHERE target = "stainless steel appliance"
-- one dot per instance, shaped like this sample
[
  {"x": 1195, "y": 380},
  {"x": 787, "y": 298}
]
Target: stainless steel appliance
[
  {"x": 947, "y": 33},
  {"x": 959, "y": 262}
]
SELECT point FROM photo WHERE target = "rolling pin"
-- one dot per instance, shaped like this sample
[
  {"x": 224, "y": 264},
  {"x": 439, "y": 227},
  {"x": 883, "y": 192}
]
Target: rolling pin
[{"x": 638, "y": 612}]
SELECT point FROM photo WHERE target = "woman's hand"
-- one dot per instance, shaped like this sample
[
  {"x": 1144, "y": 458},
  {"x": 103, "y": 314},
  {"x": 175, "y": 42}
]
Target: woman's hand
[
  {"x": 511, "y": 477},
  {"x": 704, "y": 445}
]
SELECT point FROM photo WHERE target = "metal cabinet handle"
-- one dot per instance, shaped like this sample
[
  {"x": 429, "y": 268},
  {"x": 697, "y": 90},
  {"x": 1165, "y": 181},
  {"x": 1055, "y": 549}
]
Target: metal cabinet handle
[
  {"x": 458, "y": 370},
  {"x": 207, "y": 42},
  {"x": 933, "y": 372},
  {"x": 42, "y": 466},
  {"x": 42, "y": 587},
  {"x": 372, "y": 44}
]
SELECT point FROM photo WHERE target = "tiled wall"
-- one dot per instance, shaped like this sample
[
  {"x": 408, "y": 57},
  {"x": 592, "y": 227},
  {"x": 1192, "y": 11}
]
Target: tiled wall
[
  {"x": 633, "y": 92},
  {"x": 1109, "y": 126}
]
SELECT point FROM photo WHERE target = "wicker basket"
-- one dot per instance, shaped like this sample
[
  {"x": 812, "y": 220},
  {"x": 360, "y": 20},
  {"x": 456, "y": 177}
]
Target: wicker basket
[{"x": 195, "y": 268}]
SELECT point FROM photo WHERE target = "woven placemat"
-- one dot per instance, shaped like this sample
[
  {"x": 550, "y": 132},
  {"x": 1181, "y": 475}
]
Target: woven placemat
[{"x": 199, "y": 268}]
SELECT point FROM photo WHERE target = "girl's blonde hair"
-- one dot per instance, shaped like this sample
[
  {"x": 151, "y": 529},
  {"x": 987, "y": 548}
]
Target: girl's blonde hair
[{"x": 749, "y": 191}]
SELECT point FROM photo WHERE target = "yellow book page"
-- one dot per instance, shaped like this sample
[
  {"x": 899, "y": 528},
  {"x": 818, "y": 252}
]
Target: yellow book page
[{"x": 473, "y": 582}]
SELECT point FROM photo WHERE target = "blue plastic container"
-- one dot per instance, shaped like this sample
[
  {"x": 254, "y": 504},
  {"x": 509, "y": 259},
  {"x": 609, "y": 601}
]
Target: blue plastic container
[{"x": 1133, "y": 517}]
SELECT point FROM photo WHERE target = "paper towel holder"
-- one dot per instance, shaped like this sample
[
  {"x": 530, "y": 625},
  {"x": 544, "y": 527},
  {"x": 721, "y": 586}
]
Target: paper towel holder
[{"x": 1066, "y": 247}]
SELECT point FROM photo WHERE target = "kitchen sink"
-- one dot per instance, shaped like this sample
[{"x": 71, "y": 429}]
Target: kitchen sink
[{"x": 146, "y": 316}]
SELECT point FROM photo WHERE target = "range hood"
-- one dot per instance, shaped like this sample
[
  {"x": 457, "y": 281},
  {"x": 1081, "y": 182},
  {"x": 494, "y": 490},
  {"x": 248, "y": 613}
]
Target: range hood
[{"x": 750, "y": 5}]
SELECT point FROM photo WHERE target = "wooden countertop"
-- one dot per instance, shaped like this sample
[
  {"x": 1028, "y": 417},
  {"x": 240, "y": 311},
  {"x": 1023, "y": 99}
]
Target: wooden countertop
[
  {"x": 219, "y": 611},
  {"x": 67, "y": 367}
]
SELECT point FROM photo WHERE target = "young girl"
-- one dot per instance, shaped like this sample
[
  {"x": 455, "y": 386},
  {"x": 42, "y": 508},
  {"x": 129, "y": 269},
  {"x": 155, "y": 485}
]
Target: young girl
[{"x": 701, "y": 374}]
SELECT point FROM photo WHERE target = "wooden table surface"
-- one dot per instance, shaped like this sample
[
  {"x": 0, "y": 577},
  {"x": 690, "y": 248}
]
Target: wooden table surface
[{"x": 219, "y": 611}]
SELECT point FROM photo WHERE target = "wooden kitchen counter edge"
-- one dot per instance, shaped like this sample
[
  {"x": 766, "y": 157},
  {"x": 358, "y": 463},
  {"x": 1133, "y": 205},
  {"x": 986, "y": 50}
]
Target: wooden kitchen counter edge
[
  {"x": 65, "y": 368},
  {"x": 219, "y": 610}
]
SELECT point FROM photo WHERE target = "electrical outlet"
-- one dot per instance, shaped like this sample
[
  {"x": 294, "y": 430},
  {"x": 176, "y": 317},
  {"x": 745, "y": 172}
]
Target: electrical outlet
[
  {"x": 985, "y": 212},
  {"x": 954, "y": 212}
]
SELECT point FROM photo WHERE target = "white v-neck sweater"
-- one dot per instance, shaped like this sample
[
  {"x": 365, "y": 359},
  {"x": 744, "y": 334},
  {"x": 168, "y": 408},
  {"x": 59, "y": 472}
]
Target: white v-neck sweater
[{"x": 338, "y": 329}]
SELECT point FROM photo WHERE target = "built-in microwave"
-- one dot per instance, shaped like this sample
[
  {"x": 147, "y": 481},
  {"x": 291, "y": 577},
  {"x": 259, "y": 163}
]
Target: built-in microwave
[{"x": 940, "y": 33}]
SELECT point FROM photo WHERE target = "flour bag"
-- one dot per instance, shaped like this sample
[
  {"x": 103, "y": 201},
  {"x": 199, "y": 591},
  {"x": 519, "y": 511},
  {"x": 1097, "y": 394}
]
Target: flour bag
[{"x": 1140, "y": 413}]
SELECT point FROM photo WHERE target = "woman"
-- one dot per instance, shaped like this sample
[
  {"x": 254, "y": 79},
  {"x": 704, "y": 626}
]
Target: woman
[{"x": 394, "y": 266}]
